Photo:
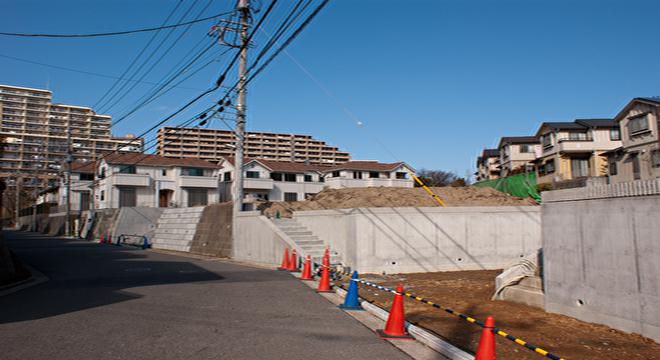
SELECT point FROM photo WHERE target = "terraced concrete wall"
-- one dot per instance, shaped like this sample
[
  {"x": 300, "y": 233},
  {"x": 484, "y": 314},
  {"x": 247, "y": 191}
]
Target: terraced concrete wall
[{"x": 176, "y": 228}]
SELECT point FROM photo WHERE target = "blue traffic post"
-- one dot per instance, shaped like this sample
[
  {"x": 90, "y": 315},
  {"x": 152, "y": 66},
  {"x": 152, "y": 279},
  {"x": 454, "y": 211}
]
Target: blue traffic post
[
  {"x": 145, "y": 243},
  {"x": 352, "y": 302}
]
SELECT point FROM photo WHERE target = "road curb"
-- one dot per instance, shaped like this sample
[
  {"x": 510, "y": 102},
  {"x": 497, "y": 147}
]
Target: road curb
[
  {"x": 423, "y": 336},
  {"x": 36, "y": 278}
]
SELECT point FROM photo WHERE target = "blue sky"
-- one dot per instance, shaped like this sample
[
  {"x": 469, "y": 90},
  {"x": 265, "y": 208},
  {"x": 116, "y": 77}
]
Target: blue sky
[{"x": 433, "y": 82}]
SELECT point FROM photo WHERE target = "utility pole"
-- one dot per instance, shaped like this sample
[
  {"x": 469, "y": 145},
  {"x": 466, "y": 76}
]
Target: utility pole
[
  {"x": 67, "y": 182},
  {"x": 244, "y": 8},
  {"x": 18, "y": 201}
]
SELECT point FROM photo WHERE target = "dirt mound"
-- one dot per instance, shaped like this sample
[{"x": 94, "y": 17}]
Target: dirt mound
[{"x": 395, "y": 197}]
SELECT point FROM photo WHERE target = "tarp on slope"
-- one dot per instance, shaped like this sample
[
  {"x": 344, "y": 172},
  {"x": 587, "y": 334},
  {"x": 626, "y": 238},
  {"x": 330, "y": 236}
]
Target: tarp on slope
[{"x": 520, "y": 185}]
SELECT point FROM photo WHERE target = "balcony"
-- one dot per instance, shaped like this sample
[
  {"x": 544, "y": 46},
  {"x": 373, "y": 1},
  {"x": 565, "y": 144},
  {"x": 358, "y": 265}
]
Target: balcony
[
  {"x": 186, "y": 181},
  {"x": 575, "y": 145},
  {"x": 131, "y": 179},
  {"x": 258, "y": 184}
]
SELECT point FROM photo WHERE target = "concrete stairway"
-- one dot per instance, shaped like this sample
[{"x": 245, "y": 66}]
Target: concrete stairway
[
  {"x": 176, "y": 228},
  {"x": 306, "y": 242}
]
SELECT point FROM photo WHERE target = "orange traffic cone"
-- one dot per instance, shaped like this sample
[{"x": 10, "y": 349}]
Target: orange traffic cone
[
  {"x": 285, "y": 260},
  {"x": 307, "y": 270},
  {"x": 293, "y": 264},
  {"x": 326, "y": 257},
  {"x": 324, "y": 284},
  {"x": 395, "y": 328},
  {"x": 486, "y": 349}
]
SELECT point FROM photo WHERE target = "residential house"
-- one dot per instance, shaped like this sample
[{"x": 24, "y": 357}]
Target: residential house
[
  {"x": 638, "y": 157},
  {"x": 517, "y": 154},
  {"x": 82, "y": 181},
  {"x": 574, "y": 150},
  {"x": 353, "y": 174},
  {"x": 488, "y": 165},
  {"x": 128, "y": 179},
  {"x": 270, "y": 180}
]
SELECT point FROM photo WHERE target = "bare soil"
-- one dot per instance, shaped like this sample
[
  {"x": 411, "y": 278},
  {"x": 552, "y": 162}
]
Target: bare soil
[
  {"x": 469, "y": 292},
  {"x": 395, "y": 197}
]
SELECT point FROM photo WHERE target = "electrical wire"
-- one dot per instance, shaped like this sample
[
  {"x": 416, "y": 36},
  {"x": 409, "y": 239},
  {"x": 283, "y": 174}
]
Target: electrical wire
[{"x": 115, "y": 33}]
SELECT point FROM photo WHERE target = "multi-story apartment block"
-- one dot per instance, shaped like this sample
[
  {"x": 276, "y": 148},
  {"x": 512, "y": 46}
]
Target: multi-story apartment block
[
  {"x": 488, "y": 165},
  {"x": 213, "y": 145},
  {"x": 573, "y": 150},
  {"x": 35, "y": 135},
  {"x": 269, "y": 180},
  {"x": 517, "y": 154},
  {"x": 638, "y": 157}
]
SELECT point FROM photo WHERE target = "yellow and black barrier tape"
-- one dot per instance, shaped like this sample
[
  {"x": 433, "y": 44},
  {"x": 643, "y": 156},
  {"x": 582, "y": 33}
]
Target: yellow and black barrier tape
[{"x": 467, "y": 318}]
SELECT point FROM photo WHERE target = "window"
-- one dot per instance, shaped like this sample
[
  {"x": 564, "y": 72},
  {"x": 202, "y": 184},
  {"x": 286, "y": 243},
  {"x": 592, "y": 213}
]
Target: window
[
  {"x": 546, "y": 140},
  {"x": 526, "y": 148},
  {"x": 638, "y": 124},
  {"x": 580, "y": 168},
  {"x": 163, "y": 172},
  {"x": 102, "y": 195},
  {"x": 655, "y": 158},
  {"x": 86, "y": 176},
  {"x": 578, "y": 136},
  {"x": 290, "y": 177},
  {"x": 615, "y": 134},
  {"x": 550, "y": 167},
  {"x": 198, "y": 197},
  {"x": 102, "y": 173},
  {"x": 252, "y": 174},
  {"x": 227, "y": 176},
  {"x": 127, "y": 169},
  {"x": 401, "y": 175},
  {"x": 634, "y": 159},
  {"x": 127, "y": 196},
  {"x": 613, "y": 169},
  {"x": 335, "y": 174},
  {"x": 357, "y": 174},
  {"x": 276, "y": 176},
  {"x": 374, "y": 174},
  {"x": 193, "y": 172},
  {"x": 321, "y": 178},
  {"x": 290, "y": 196},
  {"x": 308, "y": 178}
]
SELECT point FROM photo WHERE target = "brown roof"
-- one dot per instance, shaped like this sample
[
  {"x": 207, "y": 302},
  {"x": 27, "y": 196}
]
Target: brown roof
[
  {"x": 366, "y": 166},
  {"x": 282, "y": 166},
  {"x": 83, "y": 166},
  {"x": 157, "y": 160}
]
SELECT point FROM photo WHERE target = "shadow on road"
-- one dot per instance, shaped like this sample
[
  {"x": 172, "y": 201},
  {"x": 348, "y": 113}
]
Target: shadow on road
[{"x": 85, "y": 275}]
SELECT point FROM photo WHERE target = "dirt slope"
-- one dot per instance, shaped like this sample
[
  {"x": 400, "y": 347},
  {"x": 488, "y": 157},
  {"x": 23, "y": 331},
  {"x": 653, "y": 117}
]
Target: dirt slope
[{"x": 396, "y": 197}]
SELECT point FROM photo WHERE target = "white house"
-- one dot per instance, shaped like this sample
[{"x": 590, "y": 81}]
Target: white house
[
  {"x": 269, "y": 180},
  {"x": 131, "y": 179},
  {"x": 354, "y": 174}
]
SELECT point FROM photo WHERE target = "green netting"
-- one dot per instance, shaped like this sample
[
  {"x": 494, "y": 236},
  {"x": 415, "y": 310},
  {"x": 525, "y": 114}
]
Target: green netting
[{"x": 521, "y": 185}]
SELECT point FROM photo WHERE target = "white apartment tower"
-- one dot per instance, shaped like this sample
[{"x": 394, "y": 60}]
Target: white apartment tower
[{"x": 33, "y": 132}]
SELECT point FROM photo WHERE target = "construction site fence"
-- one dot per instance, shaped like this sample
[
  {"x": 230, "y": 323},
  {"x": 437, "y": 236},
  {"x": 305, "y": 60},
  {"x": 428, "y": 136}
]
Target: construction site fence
[{"x": 520, "y": 185}]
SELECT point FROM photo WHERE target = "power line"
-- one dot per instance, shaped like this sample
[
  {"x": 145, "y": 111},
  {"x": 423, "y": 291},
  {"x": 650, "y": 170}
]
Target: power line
[
  {"x": 115, "y": 33},
  {"x": 82, "y": 71}
]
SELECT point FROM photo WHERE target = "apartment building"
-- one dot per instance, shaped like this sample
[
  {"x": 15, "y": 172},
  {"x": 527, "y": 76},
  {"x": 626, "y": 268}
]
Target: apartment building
[
  {"x": 35, "y": 131},
  {"x": 638, "y": 157},
  {"x": 131, "y": 179},
  {"x": 573, "y": 150},
  {"x": 213, "y": 145},
  {"x": 488, "y": 165},
  {"x": 517, "y": 154},
  {"x": 270, "y": 180}
]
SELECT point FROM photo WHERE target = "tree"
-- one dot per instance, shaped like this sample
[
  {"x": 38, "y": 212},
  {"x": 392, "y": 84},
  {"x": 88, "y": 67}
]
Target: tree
[{"x": 440, "y": 178}]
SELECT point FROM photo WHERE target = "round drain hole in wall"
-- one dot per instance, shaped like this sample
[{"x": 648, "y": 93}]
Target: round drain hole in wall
[
  {"x": 580, "y": 302},
  {"x": 393, "y": 262}
]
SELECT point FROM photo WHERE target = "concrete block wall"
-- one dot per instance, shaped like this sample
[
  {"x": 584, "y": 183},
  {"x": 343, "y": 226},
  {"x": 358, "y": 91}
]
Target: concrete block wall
[
  {"x": 135, "y": 222},
  {"x": 602, "y": 255},
  {"x": 176, "y": 228}
]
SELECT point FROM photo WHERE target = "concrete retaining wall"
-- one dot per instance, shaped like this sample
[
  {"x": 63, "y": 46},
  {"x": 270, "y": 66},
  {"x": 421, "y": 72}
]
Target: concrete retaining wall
[
  {"x": 602, "y": 256},
  {"x": 403, "y": 240},
  {"x": 258, "y": 240},
  {"x": 139, "y": 221}
]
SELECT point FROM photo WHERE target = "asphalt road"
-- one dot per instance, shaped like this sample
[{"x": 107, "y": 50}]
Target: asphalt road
[{"x": 106, "y": 302}]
